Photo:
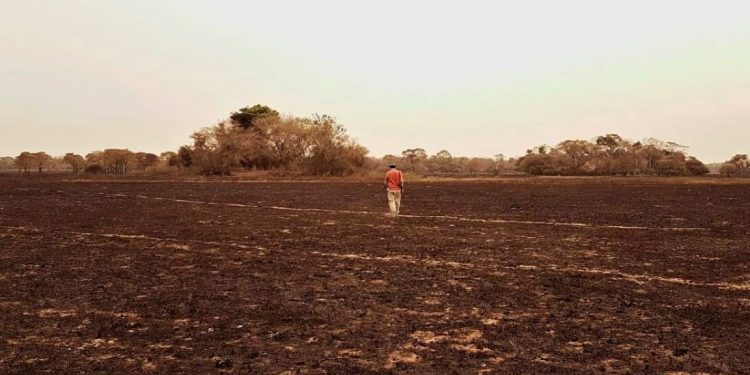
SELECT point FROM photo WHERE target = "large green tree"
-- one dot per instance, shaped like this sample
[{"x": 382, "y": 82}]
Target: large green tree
[{"x": 247, "y": 117}]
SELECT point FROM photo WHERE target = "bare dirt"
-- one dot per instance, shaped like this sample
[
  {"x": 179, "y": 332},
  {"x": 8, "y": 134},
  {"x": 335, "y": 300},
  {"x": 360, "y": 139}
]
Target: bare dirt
[{"x": 521, "y": 276}]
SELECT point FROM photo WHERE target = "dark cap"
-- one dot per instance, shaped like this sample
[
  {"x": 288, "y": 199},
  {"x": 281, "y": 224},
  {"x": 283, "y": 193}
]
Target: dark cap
[{"x": 392, "y": 165}]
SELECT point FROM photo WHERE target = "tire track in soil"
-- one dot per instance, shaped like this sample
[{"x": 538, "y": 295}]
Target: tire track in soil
[{"x": 440, "y": 217}]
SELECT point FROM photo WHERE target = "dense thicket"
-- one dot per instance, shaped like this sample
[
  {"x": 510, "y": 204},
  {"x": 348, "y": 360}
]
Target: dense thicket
[
  {"x": 259, "y": 138},
  {"x": 611, "y": 155},
  {"x": 113, "y": 161},
  {"x": 417, "y": 160},
  {"x": 7, "y": 162},
  {"x": 28, "y": 161},
  {"x": 737, "y": 166}
]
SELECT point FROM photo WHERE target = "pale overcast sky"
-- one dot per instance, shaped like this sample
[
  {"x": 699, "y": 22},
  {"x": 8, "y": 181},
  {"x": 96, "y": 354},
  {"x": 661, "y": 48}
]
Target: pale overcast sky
[{"x": 475, "y": 78}]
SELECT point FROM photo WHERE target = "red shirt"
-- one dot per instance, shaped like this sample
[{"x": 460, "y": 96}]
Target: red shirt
[{"x": 394, "y": 180}]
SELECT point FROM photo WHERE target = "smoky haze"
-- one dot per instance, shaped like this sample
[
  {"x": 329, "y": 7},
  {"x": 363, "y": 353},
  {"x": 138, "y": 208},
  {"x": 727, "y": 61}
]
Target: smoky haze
[{"x": 476, "y": 78}]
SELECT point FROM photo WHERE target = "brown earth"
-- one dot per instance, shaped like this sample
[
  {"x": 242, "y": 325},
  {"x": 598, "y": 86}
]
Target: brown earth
[{"x": 557, "y": 276}]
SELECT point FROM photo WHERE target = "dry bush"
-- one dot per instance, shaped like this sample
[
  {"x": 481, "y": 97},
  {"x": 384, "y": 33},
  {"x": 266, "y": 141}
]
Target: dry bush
[{"x": 258, "y": 138}]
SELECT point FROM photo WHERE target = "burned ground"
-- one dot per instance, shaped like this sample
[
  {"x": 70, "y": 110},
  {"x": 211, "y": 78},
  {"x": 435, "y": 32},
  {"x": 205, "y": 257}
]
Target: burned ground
[{"x": 520, "y": 276}]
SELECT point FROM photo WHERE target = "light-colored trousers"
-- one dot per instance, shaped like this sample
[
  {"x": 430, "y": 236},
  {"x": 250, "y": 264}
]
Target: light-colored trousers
[{"x": 394, "y": 201}]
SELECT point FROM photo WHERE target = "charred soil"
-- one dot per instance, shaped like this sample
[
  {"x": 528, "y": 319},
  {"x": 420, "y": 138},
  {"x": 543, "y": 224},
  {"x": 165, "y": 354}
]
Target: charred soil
[{"x": 313, "y": 278}]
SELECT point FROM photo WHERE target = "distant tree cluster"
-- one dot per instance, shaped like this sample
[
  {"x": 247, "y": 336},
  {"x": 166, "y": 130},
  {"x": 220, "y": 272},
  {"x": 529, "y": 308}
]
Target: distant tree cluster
[
  {"x": 7, "y": 162},
  {"x": 28, "y": 161},
  {"x": 110, "y": 161},
  {"x": 259, "y": 138},
  {"x": 444, "y": 163},
  {"x": 737, "y": 166},
  {"x": 75, "y": 161},
  {"x": 611, "y": 155}
]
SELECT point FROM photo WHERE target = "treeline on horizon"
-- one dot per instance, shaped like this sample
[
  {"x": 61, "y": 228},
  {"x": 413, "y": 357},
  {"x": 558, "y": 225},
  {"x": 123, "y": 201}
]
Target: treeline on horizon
[{"x": 259, "y": 138}]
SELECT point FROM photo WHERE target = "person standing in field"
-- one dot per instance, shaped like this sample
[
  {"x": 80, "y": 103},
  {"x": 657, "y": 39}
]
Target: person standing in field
[{"x": 394, "y": 185}]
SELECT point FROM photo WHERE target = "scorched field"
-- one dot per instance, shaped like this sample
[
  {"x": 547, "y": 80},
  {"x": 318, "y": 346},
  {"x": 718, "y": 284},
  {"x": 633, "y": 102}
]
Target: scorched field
[{"x": 510, "y": 276}]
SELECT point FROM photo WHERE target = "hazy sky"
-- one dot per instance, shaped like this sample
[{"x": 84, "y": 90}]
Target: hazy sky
[{"x": 476, "y": 78}]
